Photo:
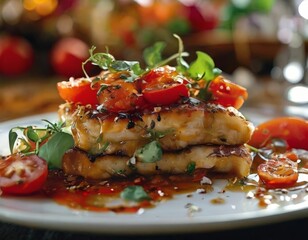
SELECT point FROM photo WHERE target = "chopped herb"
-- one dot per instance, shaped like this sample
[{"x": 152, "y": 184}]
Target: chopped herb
[
  {"x": 121, "y": 172},
  {"x": 102, "y": 88},
  {"x": 149, "y": 153},
  {"x": 191, "y": 168},
  {"x": 134, "y": 193},
  {"x": 102, "y": 145}
]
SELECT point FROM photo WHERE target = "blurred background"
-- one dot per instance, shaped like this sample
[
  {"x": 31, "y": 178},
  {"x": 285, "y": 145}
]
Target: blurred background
[{"x": 260, "y": 44}]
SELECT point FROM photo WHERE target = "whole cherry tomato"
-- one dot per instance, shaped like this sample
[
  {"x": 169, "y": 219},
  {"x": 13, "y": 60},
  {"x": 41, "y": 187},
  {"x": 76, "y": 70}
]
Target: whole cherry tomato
[
  {"x": 67, "y": 57},
  {"x": 22, "y": 174},
  {"x": 202, "y": 16},
  {"x": 16, "y": 55}
]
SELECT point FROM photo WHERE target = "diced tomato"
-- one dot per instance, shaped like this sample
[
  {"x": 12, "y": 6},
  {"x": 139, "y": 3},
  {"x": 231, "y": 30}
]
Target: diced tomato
[
  {"x": 293, "y": 130},
  {"x": 278, "y": 173},
  {"x": 22, "y": 174},
  {"x": 227, "y": 93},
  {"x": 121, "y": 96},
  {"x": 78, "y": 91},
  {"x": 163, "y": 86}
]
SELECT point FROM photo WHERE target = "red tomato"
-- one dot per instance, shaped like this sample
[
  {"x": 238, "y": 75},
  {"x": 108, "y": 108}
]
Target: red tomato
[
  {"x": 67, "y": 57},
  {"x": 22, "y": 174},
  {"x": 227, "y": 93},
  {"x": 278, "y": 173},
  {"x": 163, "y": 86},
  {"x": 16, "y": 55},
  {"x": 165, "y": 96},
  {"x": 203, "y": 17},
  {"x": 120, "y": 96},
  {"x": 293, "y": 130},
  {"x": 78, "y": 91}
]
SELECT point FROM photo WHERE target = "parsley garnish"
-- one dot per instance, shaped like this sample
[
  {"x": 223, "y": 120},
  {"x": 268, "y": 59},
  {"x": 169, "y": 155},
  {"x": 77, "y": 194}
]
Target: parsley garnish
[
  {"x": 150, "y": 153},
  {"x": 134, "y": 193},
  {"x": 191, "y": 168}
]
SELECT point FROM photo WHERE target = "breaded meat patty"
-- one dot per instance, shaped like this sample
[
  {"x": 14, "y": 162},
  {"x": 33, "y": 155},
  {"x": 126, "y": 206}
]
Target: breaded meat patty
[{"x": 178, "y": 126}]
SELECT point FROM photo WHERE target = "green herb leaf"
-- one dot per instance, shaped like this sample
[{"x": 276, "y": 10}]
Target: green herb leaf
[
  {"x": 103, "y": 60},
  {"x": 32, "y": 135},
  {"x": 149, "y": 153},
  {"x": 134, "y": 193},
  {"x": 12, "y": 139},
  {"x": 153, "y": 55},
  {"x": 137, "y": 69},
  {"x": 53, "y": 150},
  {"x": 122, "y": 65},
  {"x": 191, "y": 168},
  {"x": 202, "y": 67}
]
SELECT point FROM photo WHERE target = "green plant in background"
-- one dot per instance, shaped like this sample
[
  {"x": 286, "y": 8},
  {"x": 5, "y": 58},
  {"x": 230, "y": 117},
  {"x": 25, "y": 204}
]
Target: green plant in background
[{"x": 238, "y": 8}]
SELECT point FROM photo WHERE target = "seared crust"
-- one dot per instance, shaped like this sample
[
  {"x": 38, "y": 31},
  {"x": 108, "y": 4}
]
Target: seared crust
[
  {"x": 234, "y": 160},
  {"x": 179, "y": 126}
]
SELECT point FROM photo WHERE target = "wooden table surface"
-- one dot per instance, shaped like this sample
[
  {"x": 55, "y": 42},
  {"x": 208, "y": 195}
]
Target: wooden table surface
[{"x": 27, "y": 97}]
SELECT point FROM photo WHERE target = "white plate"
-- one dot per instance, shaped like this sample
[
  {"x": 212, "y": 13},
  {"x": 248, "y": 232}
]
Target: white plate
[{"x": 171, "y": 216}]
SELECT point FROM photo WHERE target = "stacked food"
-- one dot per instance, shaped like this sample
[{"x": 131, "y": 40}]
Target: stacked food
[{"x": 160, "y": 119}]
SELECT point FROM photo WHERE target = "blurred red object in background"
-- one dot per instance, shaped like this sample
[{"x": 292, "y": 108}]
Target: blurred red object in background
[
  {"x": 202, "y": 16},
  {"x": 16, "y": 55},
  {"x": 67, "y": 56}
]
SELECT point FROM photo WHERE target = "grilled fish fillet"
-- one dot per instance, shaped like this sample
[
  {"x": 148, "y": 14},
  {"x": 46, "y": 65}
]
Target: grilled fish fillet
[
  {"x": 234, "y": 160},
  {"x": 177, "y": 127}
]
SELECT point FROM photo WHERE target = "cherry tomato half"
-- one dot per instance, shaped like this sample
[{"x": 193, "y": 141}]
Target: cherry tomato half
[
  {"x": 293, "y": 130},
  {"x": 163, "y": 86},
  {"x": 165, "y": 96},
  {"x": 278, "y": 173},
  {"x": 78, "y": 91},
  {"x": 227, "y": 93},
  {"x": 22, "y": 174}
]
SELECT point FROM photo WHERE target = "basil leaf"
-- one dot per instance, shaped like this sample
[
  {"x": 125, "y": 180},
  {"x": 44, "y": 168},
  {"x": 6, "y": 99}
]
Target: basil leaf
[
  {"x": 53, "y": 150},
  {"x": 12, "y": 139},
  {"x": 149, "y": 153},
  {"x": 134, "y": 193},
  {"x": 202, "y": 67},
  {"x": 153, "y": 55}
]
